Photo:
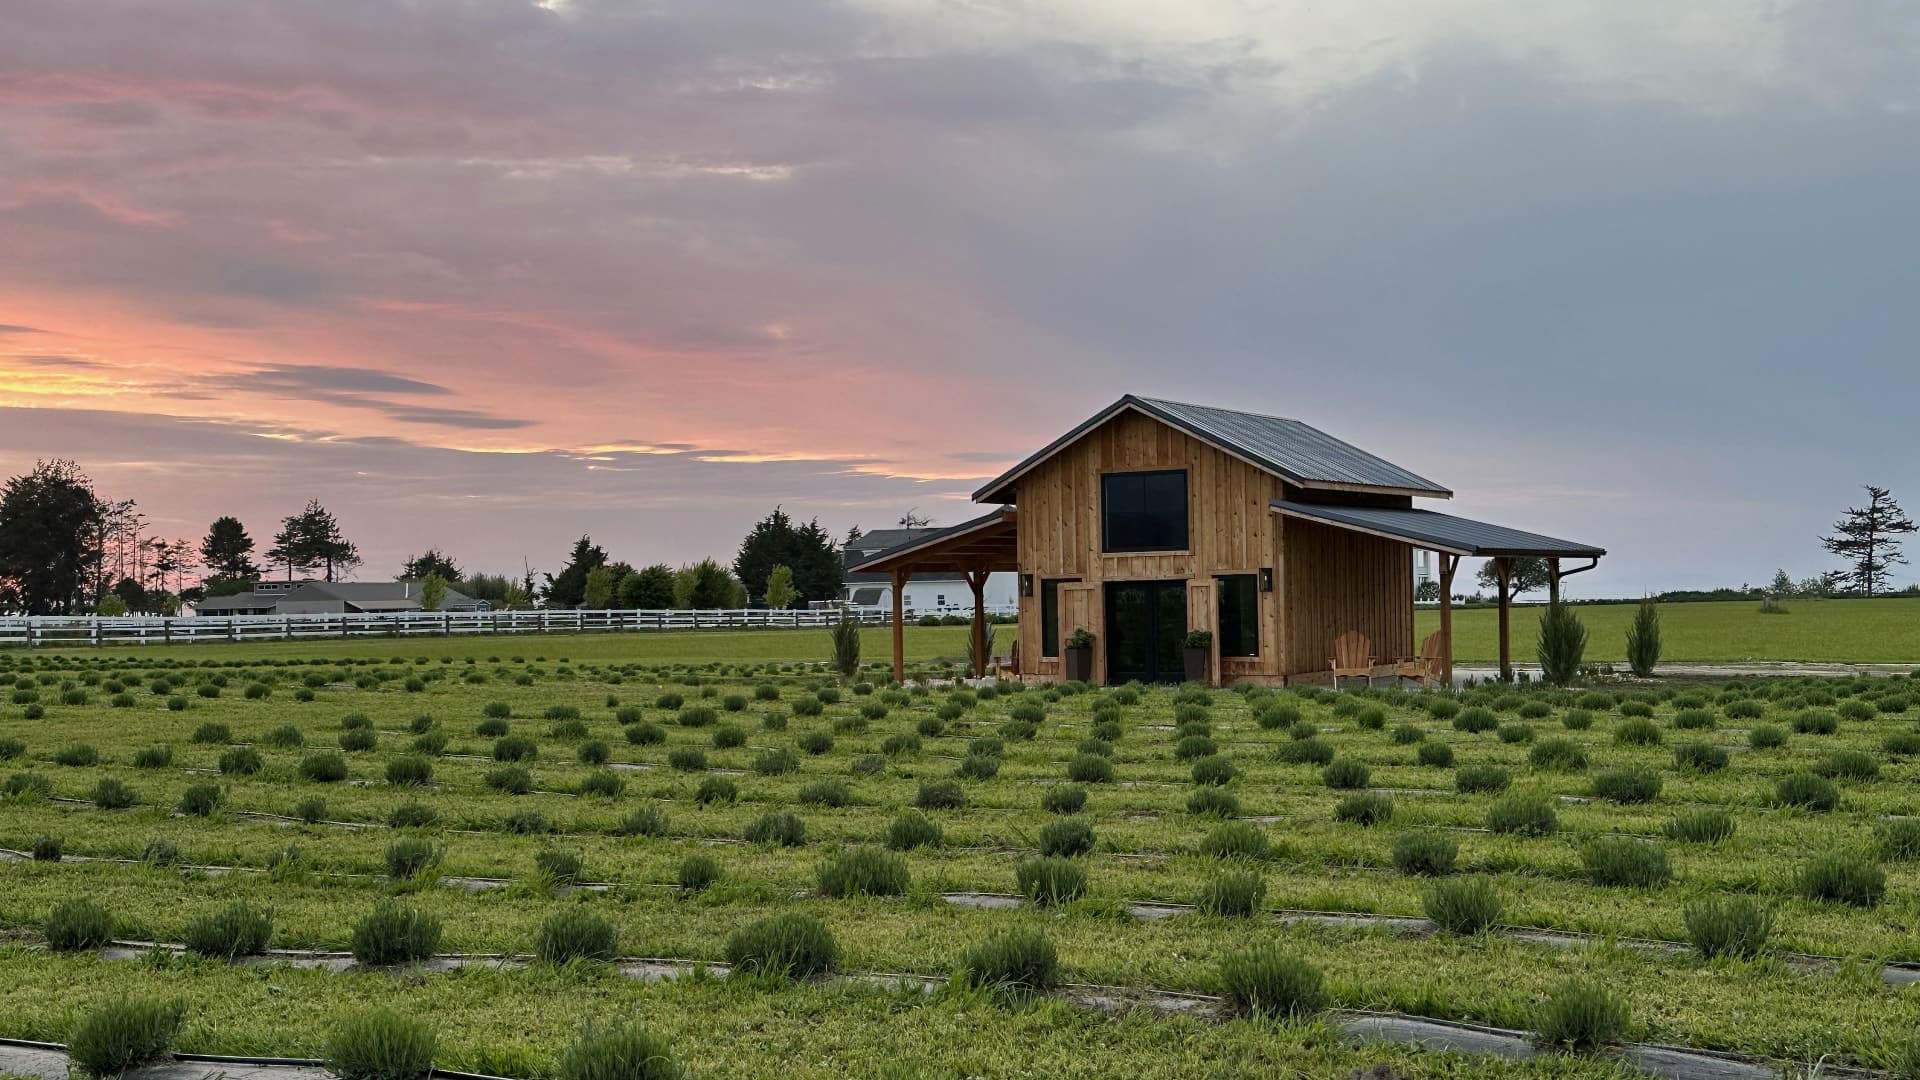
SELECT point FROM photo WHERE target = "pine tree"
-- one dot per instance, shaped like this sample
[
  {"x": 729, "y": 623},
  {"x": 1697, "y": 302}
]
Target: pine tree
[
  {"x": 227, "y": 551},
  {"x": 1867, "y": 537}
]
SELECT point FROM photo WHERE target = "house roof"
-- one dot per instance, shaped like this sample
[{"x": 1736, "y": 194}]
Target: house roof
[
  {"x": 1298, "y": 453},
  {"x": 878, "y": 541},
  {"x": 987, "y": 540},
  {"x": 1439, "y": 532}
]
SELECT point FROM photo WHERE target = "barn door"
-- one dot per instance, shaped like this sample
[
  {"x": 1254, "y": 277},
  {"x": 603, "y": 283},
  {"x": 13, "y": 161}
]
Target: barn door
[{"x": 1079, "y": 611}]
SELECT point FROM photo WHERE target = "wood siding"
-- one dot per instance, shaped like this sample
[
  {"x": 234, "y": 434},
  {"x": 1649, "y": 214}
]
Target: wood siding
[
  {"x": 1231, "y": 530},
  {"x": 1335, "y": 580}
]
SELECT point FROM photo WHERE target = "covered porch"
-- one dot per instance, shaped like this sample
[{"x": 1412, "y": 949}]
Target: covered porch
[
  {"x": 985, "y": 545},
  {"x": 1452, "y": 538}
]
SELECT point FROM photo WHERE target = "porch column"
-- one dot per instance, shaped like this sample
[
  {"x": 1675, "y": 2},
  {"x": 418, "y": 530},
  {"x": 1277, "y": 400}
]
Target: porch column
[
  {"x": 1504, "y": 568},
  {"x": 977, "y": 581},
  {"x": 899, "y": 626},
  {"x": 1448, "y": 564},
  {"x": 1553, "y": 582}
]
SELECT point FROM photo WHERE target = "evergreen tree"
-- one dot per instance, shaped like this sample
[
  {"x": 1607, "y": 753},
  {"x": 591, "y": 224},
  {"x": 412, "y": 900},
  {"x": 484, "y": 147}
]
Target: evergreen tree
[
  {"x": 705, "y": 585},
  {"x": 1867, "y": 537},
  {"x": 805, "y": 549},
  {"x": 429, "y": 563},
  {"x": 227, "y": 552},
  {"x": 311, "y": 540},
  {"x": 51, "y": 541},
  {"x": 568, "y": 588},
  {"x": 649, "y": 589}
]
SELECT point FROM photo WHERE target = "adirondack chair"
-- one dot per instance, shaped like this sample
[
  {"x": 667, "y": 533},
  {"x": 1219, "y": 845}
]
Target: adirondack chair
[
  {"x": 1352, "y": 658},
  {"x": 1008, "y": 666},
  {"x": 1429, "y": 667}
]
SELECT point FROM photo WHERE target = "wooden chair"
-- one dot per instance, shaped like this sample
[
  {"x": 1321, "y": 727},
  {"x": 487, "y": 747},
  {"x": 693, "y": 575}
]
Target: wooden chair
[
  {"x": 1430, "y": 667},
  {"x": 1352, "y": 658},
  {"x": 1008, "y": 666}
]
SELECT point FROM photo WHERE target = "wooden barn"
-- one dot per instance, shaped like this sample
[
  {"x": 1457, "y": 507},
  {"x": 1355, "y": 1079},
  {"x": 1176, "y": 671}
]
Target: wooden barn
[{"x": 1290, "y": 549}]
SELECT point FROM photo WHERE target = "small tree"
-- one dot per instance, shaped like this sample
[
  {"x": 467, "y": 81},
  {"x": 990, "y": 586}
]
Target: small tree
[
  {"x": 598, "y": 592},
  {"x": 111, "y": 606},
  {"x": 780, "y": 592},
  {"x": 517, "y": 598},
  {"x": 1529, "y": 574},
  {"x": 433, "y": 592},
  {"x": 648, "y": 589},
  {"x": 1563, "y": 644},
  {"x": 1867, "y": 538},
  {"x": 430, "y": 562},
  {"x": 1783, "y": 587},
  {"x": 1643, "y": 639},
  {"x": 846, "y": 644}
]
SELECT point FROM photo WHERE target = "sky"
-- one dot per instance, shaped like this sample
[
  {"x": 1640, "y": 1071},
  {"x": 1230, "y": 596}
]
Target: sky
[{"x": 485, "y": 275}]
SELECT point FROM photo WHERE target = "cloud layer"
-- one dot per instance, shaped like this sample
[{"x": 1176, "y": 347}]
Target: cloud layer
[{"x": 490, "y": 275}]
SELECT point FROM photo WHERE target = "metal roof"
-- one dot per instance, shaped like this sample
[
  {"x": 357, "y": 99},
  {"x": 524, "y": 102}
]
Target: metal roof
[
  {"x": 932, "y": 539},
  {"x": 1439, "y": 532},
  {"x": 1298, "y": 453}
]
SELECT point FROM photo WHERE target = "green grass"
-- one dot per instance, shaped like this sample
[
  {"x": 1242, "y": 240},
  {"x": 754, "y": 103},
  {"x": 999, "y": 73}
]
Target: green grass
[{"x": 1288, "y": 850}]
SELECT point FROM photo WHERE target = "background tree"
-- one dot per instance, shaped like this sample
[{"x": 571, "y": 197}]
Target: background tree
[
  {"x": 1428, "y": 592},
  {"x": 705, "y": 585},
  {"x": 1529, "y": 575},
  {"x": 311, "y": 540},
  {"x": 568, "y": 588},
  {"x": 780, "y": 592},
  {"x": 1643, "y": 639},
  {"x": 489, "y": 587},
  {"x": 433, "y": 592},
  {"x": 227, "y": 554},
  {"x": 111, "y": 606},
  {"x": 50, "y": 537},
  {"x": 807, "y": 550},
  {"x": 430, "y": 563},
  {"x": 518, "y": 598},
  {"x": 648, "y": 589},
  {"x": 1783, "y": 586},
  {"x": 598, "y": 592},
  {"x": 168, "y": 562},
  {"x": 1562, "y": 645},
  {"x": 1868, "y": 538},
  {"x": 132, "y": 594}
]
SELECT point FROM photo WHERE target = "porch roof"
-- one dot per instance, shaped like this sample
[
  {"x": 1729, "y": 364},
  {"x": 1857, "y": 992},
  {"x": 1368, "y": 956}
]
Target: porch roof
[
  {"x": 1439, "y": 532},
  {"x": 988, "y": 542}
]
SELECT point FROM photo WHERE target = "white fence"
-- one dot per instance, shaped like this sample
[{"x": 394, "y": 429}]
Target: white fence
[{"x": 56, "y": 630}]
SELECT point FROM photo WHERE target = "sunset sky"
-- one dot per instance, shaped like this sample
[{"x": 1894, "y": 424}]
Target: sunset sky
[{"x": 485, "y": 274}]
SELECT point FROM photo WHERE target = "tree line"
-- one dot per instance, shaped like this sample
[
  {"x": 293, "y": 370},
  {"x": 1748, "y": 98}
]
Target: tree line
[{"x": 65, "y": 549}]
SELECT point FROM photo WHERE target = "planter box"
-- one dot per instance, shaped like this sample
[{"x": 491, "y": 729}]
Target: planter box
[
  {"x": 1079, "y": 663},
  {"x": 1197, "y": 661}
]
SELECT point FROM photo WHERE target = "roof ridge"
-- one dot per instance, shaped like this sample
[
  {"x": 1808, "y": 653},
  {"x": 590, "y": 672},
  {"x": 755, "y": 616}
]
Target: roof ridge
[{"x": 1216, "y": 408}]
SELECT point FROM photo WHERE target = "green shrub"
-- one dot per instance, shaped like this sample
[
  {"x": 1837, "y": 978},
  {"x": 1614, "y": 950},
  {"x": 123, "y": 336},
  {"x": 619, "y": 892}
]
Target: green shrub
[
  {"x": 791, "y": 944},
  {"x": 1235, "y": 893},
  {"x": 687, "y": 759},
  {"x": 379, "y": 1044},
  {"x": 1524, "y": 813},
  {"x": 1807, "y": 791},
  {"x": 239, "y": 929},
  {"x": 1580, "y": 1015},
  {"x": 412, "y": 815},
  {"x": 1848, "y": 765},
  {"x": 1425, "y": 854},
  {"x": 1063, "y": 799},
  {"x": 1767, "y": 737},
  {"x": 1481, "y": 779},
  {"x": 1700, "y": 826},
  {"x": 646, "y": 821},
  {"x": 1234, "y": 840},
  {"x": 1842, "y": 877},
  {"x": 513, "y": 748},
  {"x": 526, "y": 823},
  {"x": 716, "y": 790},
  {"x": 77, "y": 926},
  {"x": 1638, "y": 731},
  {"x": 407, "y": 857},
  {"x": 1814, "y": 722},
  {"x": 1345, "y": 774},
  {"x": 358, "y": 740},
  {"x": 1577, "y": 720},
  {"x": 1900, "y": 839},
  {"x": 825, "y": 792},
  {"x": 1364, "y": 808},
  {"x": 1621, "y": 861},
  {"x": 1066, "y": 838},
  {"x": 1267, "y": 982},
  {"x": 1017, "y": 963},
  {"x": 201, "y": 799},
  {"x": 409, "y": 771},
  {"x": 122, "y": 1033},
  {"x": 698, "y": 872},
  {"x": 113, "y": 794},
  {"x": 624, "y": 1051},
  {"x": 324, "y": 767},
  {"x": 1629, "y": 784},
  {"x": 1211, "y": 802},
  {"x": 575, "y": 933},
  {"x": 912, "y": 829},
  {"x": 779, "y": 828},
  {"x": 286, "y": 737},
  {"x": 1462, "y": 905},
  {"x": 211, "y": 732},
  {"x": 1050, "y": 881},
  {"x": 1516, "y": 732},
  {"x": 153, "y": 757},
  {"x": 1090, "y": 769},
  {"x": 1692, "y": 719},
  {"x": 76, "y": 755},
  {"x": 1437, "y": 755},
  {"x": 1309, "y": 751},
  {"x": 1475, "y": 721},
  {"x": 311, "y": 810},
  {"x": 1558, "y": 754},
  {"x": 863, "y": 871},
  {"x": 1700, "y": 757},
  {"x": 395, "y": 934},
  {"x": 940, "y": 795},
  {"x": 1407, "y": 734},
  {"x": 509, "y": 779},
  {"x": 1215, "y": 771},
  {"x": 1737, "y": 926}
]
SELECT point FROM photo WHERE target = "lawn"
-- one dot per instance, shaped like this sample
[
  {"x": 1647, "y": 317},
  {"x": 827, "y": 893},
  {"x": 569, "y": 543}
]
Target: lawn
[{"x": 638, "y": 771}]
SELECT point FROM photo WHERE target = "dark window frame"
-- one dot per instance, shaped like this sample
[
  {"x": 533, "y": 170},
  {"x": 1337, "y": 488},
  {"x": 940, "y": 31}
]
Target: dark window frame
[
  {"x": 1050, "y": 626},
  {"x": 1108, "y": 547},
  {"x": 1251, "y": 586}
]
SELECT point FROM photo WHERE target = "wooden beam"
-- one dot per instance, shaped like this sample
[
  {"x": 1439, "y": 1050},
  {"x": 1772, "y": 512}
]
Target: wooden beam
[
  {"x": 1504, "y": 568},
  {"x": 977, "y": 581},
  {"x": 1448, "y": 564},
  {"x": 899, "y": 626},
  {"x": 1553, "y": 582}
]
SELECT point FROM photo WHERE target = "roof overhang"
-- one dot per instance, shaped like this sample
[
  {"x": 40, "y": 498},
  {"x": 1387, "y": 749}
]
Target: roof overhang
[
  {"x": 988, "y": 542},
  {"x": 1446, "y": 533},
  {"x": 1000, "y": 489}
]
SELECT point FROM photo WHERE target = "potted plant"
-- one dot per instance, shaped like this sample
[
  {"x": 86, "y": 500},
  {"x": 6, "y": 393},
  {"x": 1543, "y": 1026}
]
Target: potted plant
[
  {"x": 1080, "y": 655},
  {"x": 1199, "y": 654}
]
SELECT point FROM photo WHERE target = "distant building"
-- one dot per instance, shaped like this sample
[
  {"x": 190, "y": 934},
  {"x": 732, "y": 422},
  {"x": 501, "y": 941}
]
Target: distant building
[
  {"x": 331, "y": 598},
  {"x": 941, "y": 594}
]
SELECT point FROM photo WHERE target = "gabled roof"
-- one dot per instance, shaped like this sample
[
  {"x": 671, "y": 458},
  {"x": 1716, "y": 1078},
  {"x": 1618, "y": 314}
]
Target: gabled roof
[
  {"x": 987, "y": 539},
  {"x": 1439, "y": 532},
  {"x": 1298, "y": 453}
]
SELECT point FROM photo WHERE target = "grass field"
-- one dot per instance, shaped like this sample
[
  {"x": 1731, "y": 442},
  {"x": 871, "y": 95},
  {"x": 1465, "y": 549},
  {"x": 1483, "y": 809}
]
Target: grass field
[{"x": 635, "y": 770}]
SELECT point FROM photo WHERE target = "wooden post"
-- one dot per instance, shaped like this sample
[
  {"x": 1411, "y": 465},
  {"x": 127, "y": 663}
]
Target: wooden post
[
  {"x": 1504, "y": 567},
  {"x": 977, "y": 581},
  {"x": 1553, "y": 582},
  {"x": 1448, "y": 564},
  {"x": 899, "y": 626}
]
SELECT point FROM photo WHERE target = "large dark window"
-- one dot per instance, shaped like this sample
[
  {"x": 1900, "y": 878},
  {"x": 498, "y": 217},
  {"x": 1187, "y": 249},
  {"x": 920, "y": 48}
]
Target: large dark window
[
  {"x": 1239, "y": 614},
  {"x": 1050, "y": 617},
  {"x": 1143, "y": 511}
]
